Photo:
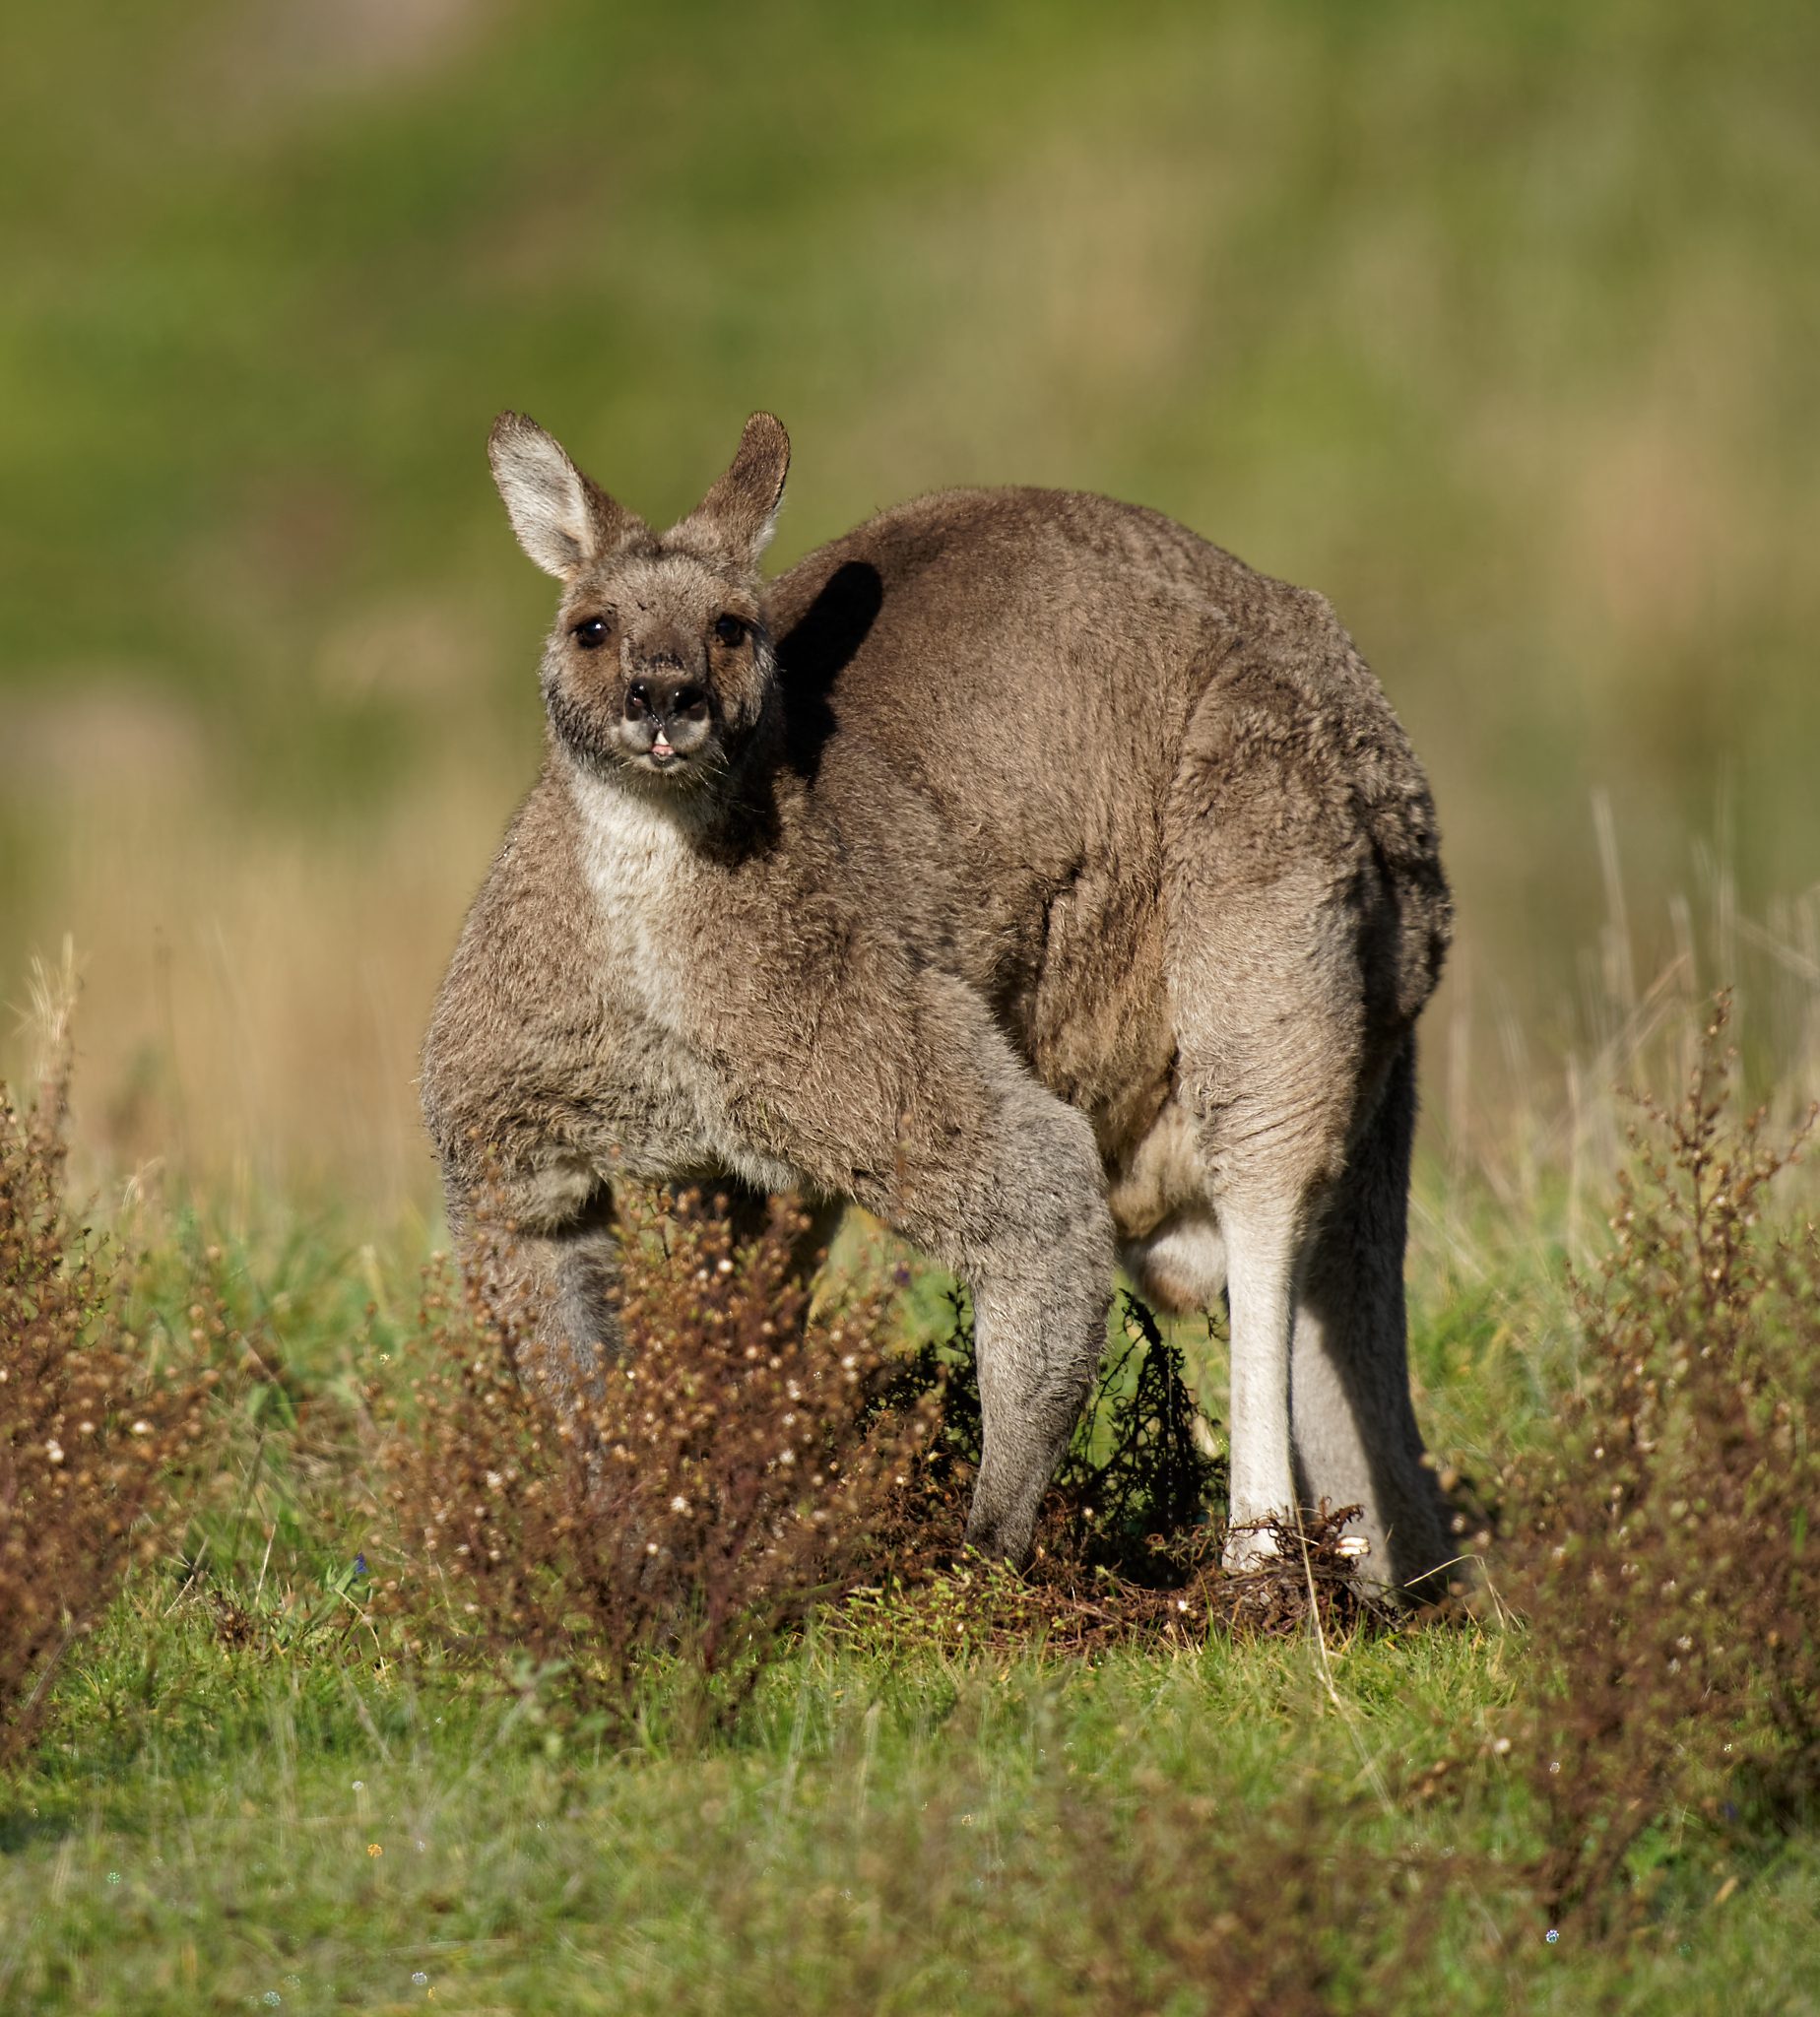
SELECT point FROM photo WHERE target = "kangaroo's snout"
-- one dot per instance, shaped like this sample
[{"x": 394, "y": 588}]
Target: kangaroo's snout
[
  {"x": 667, "y": 698},
  {"x": 666, "y": 715}
]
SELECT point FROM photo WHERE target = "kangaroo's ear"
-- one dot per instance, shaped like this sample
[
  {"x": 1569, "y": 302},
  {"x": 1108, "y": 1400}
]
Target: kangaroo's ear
[
  {"x": 561, "y": 519},
  {"x": 739, "y": 513}
]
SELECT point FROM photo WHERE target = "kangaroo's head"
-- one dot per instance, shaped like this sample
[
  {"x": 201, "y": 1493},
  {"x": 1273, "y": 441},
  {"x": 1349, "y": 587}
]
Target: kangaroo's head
[{"x": 660, "y": 662}]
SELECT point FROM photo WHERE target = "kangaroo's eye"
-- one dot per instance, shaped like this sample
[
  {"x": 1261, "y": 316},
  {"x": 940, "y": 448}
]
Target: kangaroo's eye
[
  {"x": 729, "y": 629},
  {"x": 591, "y": 635}
]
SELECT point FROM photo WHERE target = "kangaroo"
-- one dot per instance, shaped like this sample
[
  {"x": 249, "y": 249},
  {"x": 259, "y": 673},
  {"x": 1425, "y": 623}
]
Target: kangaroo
[{"x": 1019, "y": 866}]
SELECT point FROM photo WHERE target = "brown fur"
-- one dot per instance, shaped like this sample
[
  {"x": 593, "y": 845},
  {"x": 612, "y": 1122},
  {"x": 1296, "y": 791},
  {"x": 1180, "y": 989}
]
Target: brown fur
[{"x": 1037, "y": 875}]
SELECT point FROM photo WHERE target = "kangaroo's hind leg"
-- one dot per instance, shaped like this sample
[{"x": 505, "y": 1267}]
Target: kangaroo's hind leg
[
  {"x": 1305, "y": 918},
  {"x": 1303, "y": 1116},
  {"x": 1269, "y": 1064},
  {"x": 1355, "y": 1435}
]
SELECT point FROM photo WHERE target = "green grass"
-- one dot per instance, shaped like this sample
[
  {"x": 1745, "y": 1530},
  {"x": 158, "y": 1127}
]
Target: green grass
[
  {"x": 235, "y": 1803},
  {"x": 875, "y": 1837}
]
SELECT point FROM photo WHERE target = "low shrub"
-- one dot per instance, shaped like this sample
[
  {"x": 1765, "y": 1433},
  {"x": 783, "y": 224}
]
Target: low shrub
[
  {"x": 90, "y": 1433},
  {"x": 1660, "y": 1546},
  {"x": 753, "y": 1458},
  {"x": 736, "y": 1474}
]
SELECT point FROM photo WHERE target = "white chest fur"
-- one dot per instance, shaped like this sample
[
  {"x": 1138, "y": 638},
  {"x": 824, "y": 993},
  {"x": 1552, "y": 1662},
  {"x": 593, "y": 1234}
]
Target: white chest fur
[
  {"x": 641, "y": 875},
  {"x": 639, "y": 870}
]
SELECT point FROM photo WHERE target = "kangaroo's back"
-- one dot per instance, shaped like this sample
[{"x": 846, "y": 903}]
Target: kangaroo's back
[
  {"x": 1019, "y": 653},
  {"x": 1030, "y": 660},
  {"x": 1036, "y": 670}
]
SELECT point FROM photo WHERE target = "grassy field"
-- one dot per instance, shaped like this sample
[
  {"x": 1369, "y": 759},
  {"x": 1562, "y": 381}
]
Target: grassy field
[
  {"x": 291, "y": 1827},
  {"x": 249, "y": 1793}
]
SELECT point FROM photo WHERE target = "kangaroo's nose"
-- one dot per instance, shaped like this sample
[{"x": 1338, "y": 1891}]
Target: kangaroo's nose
[{"x": 666, "y": 697}]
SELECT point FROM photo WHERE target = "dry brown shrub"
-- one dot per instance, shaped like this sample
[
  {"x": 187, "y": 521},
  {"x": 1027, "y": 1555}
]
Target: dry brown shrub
[
  {"x": 89, "y": 1435},
  {"x": 735, "y": 1473},
  {"x": 1660, "y": 1548}
]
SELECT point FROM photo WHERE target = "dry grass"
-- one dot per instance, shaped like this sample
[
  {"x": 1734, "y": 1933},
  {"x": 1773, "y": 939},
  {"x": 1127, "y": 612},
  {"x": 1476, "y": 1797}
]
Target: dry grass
[
  {"x": 1660, "y": 1546},
  {"x": 256, "y": 994},
  {"x": 92, "y": 1436}
]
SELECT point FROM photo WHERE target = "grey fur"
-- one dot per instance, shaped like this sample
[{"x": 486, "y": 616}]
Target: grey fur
[{"x": 1030, "y": 871}]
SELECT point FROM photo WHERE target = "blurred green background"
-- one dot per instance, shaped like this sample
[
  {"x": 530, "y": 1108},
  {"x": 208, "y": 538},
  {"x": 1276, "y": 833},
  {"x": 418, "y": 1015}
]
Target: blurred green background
[{"x": 1499, "y": 325}]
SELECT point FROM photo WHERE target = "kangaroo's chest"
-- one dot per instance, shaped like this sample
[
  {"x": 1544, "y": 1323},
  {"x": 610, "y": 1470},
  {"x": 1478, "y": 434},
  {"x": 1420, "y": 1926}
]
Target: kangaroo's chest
[
  {"x": 679, "y": 1082},
  {"x": 640, "y": 882}
]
